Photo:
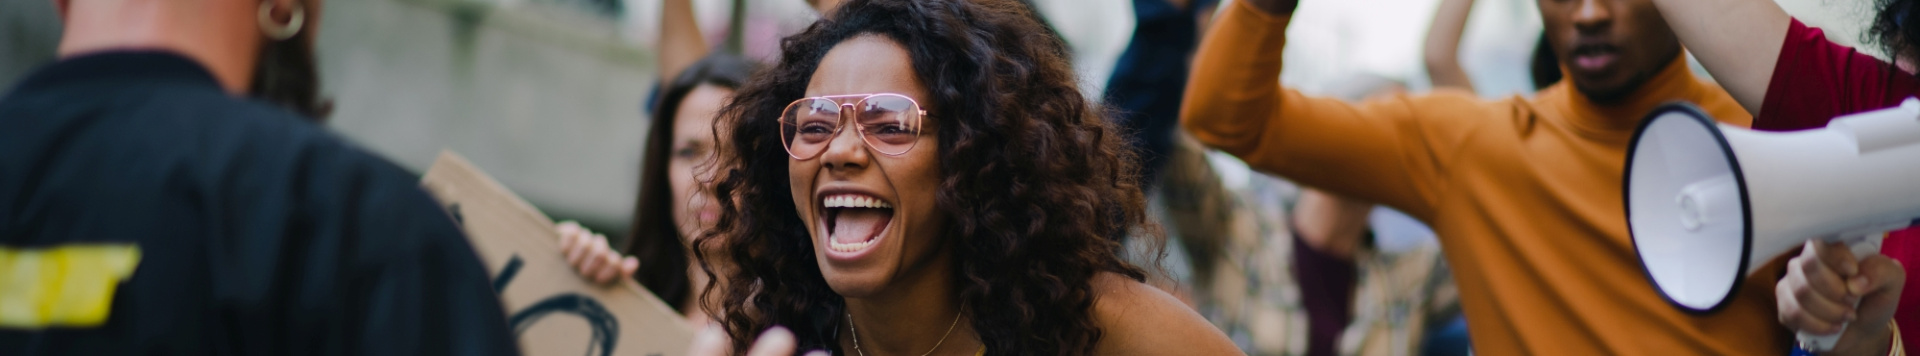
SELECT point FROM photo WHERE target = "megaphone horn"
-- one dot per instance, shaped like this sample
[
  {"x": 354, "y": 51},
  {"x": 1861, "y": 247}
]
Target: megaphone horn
[{"x": 1708, "y": 203}]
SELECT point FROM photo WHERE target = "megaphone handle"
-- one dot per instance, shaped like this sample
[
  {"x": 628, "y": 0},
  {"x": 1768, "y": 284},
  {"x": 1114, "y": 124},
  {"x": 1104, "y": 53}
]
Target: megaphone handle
[
  {"x": 1821, "y": 343},
  {"x": 1861, "y": 246}
]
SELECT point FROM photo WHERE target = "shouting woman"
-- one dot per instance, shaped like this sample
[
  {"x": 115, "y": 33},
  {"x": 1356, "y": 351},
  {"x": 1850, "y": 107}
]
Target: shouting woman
[{"x": 925, "y": 178}]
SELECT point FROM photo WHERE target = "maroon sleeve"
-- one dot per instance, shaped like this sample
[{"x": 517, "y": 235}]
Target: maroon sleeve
[{"x": 1816, "y": 80}]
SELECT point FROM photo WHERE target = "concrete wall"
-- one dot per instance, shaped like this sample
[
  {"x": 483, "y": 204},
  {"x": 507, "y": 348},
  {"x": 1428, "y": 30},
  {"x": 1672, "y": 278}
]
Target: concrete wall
[
  {"x": 29, "y": 31},
  {"x": 546, "y": 99},
  {"x": 549, "y": 102}
]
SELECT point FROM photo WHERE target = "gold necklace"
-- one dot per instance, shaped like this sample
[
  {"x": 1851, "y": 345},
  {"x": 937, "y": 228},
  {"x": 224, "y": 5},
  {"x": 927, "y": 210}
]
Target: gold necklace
[{"x": 936, "y": 344}]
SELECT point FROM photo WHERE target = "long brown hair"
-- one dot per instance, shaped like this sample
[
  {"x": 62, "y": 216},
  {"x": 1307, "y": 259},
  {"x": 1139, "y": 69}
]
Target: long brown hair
[
  {"x": 1037, "y": 185},
  {"x": 655, "y": 237}
]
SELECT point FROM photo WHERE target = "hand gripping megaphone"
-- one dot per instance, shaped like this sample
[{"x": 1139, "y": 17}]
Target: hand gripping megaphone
[{"x": 1708, "y": 203}]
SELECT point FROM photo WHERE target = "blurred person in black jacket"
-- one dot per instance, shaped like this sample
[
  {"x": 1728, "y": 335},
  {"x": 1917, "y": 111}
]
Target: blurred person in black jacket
[{"x": 165, "y": 189}]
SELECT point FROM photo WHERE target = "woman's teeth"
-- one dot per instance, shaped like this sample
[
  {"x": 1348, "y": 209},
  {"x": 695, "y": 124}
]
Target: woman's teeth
[
  {"x": 855, "y": 201},
  {"x": 848, "y": 247},
  {"x": 852, "y": 217}
]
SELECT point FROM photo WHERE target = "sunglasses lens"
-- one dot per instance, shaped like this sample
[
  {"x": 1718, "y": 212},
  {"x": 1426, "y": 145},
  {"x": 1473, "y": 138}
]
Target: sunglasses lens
[
  {"x": 891, "y": 123},
  {"x": 807, "y": 126}
]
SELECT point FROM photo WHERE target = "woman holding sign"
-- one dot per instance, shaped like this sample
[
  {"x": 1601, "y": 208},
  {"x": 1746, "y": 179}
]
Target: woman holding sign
[
  {"x": 673, "y": 207},
  {"x": 925, "y": 178}
]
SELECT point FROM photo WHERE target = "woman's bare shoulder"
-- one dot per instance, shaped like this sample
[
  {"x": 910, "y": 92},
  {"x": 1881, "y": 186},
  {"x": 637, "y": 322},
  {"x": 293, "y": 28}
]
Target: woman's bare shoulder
[{"x": 1138, "y": 319}]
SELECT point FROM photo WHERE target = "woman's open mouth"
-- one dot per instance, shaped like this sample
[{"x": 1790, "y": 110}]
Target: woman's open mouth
[{"x": 854, "y": 221}]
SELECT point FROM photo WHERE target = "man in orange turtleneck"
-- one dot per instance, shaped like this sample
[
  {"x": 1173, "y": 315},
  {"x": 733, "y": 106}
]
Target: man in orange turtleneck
[{"x": 1524, "y": 193}]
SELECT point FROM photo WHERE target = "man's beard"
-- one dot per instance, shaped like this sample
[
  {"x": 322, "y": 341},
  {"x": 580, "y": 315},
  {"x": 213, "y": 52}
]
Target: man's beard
[{"x": 287, "y": 75}]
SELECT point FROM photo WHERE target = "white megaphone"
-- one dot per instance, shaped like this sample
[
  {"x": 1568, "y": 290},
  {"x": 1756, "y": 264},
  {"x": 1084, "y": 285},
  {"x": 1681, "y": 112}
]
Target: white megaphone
[{"x": 1708, "y": 203}]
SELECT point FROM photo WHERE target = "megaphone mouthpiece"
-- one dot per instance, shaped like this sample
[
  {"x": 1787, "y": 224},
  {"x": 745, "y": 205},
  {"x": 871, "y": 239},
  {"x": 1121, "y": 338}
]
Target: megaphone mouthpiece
[{"x": 1706, "y": 201}]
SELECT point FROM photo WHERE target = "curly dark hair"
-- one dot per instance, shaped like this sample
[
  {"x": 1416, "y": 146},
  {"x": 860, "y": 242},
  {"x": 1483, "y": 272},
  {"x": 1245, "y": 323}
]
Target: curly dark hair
[
  {"x": 1896, "y": 29},
  {"x": 1037, "y": 185},
  {"x": 655, "y": 237}
]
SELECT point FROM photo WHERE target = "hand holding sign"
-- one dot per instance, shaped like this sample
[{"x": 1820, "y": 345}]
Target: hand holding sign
[
  {"x": 589, "y": 253},
  {"x": 546, "y": 300}
]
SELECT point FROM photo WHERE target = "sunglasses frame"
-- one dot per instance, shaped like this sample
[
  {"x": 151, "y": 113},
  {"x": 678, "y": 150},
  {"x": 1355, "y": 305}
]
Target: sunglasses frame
[{"x": 841, "y": 123}]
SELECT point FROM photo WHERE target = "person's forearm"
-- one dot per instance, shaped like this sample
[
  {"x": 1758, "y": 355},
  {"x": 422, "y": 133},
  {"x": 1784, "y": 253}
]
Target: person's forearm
[
  {"x": 1737, "y": 40},
  {"x": 1442, "y": 50},
  {"x": 1235, "y": 103},
  {"x": 681, "y": 43},
  {"x": 1234, "y": 83}
]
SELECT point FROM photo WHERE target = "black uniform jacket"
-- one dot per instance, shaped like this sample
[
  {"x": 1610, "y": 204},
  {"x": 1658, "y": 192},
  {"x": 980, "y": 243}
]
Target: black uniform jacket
[{"x": 250, "y": 230}]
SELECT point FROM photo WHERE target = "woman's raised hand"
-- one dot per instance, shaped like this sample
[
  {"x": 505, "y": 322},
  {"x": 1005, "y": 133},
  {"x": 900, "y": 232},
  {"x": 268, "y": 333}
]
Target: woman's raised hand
[{"x": 589, "y": 254}]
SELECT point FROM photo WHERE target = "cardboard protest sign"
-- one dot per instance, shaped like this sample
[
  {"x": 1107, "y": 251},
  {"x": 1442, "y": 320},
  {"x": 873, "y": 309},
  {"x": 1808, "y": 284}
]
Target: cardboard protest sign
[{"x": 550, "y": 307}]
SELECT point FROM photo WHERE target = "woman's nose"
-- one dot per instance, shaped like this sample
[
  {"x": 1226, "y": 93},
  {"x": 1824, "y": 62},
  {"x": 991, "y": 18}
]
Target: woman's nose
[{"x": 845, "y": 149}]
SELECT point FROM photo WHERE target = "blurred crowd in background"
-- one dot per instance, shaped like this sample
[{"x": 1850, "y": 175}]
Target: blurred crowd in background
[{"x": 556, "y": 98}]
